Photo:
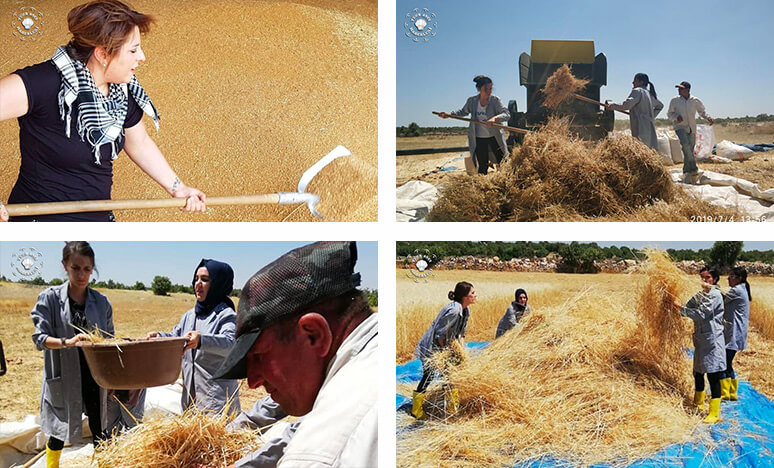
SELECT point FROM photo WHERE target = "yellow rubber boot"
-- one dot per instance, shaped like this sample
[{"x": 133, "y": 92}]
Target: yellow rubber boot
[
  {"x": 714, "y": 411},
  {"x": 453, "y": 403},
  {"x": 698, "y": 399},
  {"x": 52, "y": 457},
  {"x": 725, "y": 385},
  {"x": 416, "y": 405},
  {"x": 733, "y": 394}
]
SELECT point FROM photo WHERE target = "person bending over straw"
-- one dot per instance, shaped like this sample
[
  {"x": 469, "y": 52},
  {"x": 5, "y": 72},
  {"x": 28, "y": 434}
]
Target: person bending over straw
[
  {"x": 643, "y": 106},
  {"x": 209, "y": 328},
  {"x": 450, "y": 325},
  {"x": 483, "y": 139},
  {"x": 709, "y": 356},
  {"x": 79, "y": 109},
  {"x": 737, "y": 316},
  {"x": 69, "y": 388},
  {"x": 515, "y": 312}
]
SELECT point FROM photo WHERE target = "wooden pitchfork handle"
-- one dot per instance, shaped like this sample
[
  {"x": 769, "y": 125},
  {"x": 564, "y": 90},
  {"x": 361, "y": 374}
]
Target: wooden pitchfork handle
[
  {"x": 504, "y": 127},
  {"x": 584, "y": 98}
]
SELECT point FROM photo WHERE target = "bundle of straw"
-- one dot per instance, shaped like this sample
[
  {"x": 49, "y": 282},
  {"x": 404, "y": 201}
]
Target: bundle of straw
[
  {"x": 554, "y": 388},
  {"x": 561, "y": 85},
  {"x": 191, "y": 439}
]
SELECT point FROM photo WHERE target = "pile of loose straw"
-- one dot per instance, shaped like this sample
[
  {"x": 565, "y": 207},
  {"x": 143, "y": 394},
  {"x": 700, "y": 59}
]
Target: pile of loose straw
[
  {"x": 560, "y": 86},
  {"x": 191, "y": 439},
  {"x": 560, "y": 386}
]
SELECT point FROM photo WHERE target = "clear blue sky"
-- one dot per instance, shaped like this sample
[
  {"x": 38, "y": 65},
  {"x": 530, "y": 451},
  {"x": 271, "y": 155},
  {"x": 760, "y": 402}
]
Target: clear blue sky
[
  {"x": 128, "y": 262},
  {"x": 724, "y": 48}
]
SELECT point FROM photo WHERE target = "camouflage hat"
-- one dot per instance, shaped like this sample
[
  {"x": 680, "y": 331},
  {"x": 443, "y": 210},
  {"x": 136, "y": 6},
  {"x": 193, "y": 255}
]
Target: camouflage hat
[{"x": 300, "y": 278}]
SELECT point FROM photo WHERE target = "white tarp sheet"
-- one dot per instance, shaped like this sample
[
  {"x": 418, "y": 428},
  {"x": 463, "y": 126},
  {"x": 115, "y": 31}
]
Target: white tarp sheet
[
  {"x": 731, "y": 192},
  {"x": 414, "y": 200}
]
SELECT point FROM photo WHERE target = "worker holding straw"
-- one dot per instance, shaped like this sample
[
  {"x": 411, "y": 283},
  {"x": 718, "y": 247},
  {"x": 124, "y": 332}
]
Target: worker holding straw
[
  {"x": 450, "y": 325},
  {"x": 643, "y": 107},
  {"x": 483, "y": 139},
  {"x": 308, "y": 336},
  {"x": 709, "y": 356},
  {"x": 737, "y": 317},
  {"x": 79, "y": 109},
  {"x": 515, "y": 312},
  {"x": 68, "y": 387},
  {"x": 209, "y": 328},
  {"x": 682, "y": 112}
]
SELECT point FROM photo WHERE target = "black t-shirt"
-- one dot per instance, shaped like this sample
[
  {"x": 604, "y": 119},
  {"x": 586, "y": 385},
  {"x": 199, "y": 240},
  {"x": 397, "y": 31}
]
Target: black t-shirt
[{"x": 54, "y": 167}]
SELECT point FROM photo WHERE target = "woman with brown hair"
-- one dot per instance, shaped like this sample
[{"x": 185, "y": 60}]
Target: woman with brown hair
[{"x": 79, "y": 109}]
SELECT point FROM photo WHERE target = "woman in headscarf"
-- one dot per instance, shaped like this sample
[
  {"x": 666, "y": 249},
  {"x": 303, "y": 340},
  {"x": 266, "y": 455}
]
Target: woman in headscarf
[
  {"x": 737, "y": 317},
  {"x": 515, "y": 312},
  {"x": 79, "y": 109},
  {"x": 60, "y": 316},
  {"x": 709, "y": 355},
  {"x": 450, "y": 325},
  {"x": 209, "y": 328},
  {"x": 483, "y": 139},
  {"x": 643, "y": 107}
]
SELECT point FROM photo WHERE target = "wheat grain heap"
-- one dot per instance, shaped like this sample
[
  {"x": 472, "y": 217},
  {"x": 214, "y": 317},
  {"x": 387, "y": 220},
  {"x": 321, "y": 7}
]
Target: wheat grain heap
[
  {"x": 556, "y": 176},
  {"x": 560, "y": 86},
  {"x": 599, "y": 379},
  {"x": 191, "y": 439}
]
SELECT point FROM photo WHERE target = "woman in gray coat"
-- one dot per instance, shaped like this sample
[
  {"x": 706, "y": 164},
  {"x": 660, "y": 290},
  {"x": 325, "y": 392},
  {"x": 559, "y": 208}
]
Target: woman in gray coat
[
  {"x": 209, "y": 328},
  {"x": 450, "y": 324},
  {"x": 643, "y": 107},
  {"x": 68, "y": 387},
  {"x": 483, "y": 139},
  {"x": 709, "y": 356},
  {"x": 515, "y": 312},
  {"x": 737, "y": 317}
]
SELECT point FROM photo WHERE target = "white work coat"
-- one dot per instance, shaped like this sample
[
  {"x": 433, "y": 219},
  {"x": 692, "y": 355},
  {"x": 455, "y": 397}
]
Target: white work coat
[
  {"x": 687, "y": 109},
  {"x": 706, "y": 311},
  {"x": 643, "y": 109},
  {"x": 737, "y": 317},
  {"x": 264, "y": 412},
  {"x": 450, "y": 324},
  {"x": 61, "y": 401},
  {"x": 342, "y": 428}
]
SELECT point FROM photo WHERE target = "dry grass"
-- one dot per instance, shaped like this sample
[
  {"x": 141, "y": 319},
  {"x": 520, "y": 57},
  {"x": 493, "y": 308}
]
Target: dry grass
[
  {"x": 560, "y": 86},
  {"x": 134, "y": 314},
  {"x": 192, "y": 439},
  {"x": 597, "y": 373},
  {"x": 556, "y": 176},
  {"x": 251, "y": 93}
]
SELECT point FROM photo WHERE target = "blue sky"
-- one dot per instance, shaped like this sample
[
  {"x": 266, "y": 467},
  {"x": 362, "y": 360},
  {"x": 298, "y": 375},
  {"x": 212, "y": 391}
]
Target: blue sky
[
  {"x": 724, "y": 48},
  {"x": 127, "y": 262}
]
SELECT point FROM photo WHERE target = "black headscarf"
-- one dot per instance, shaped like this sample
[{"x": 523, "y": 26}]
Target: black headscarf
[
  {"x": 221, "y": 285},
  {"x": 518, "y": 293}
]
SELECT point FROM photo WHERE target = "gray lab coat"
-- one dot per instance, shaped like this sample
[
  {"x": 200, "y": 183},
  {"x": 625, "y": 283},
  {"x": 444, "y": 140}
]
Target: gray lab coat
[
  {"x": 264, "y": 412},
  {"x": 513, "y": 314},
  {"x": 643, "y": 109},
  {"x": 706, "y": 311},
  {"x": 450, "y": 324},
  {"x": 494, "y": 107},
  {"x": 737, "y": 317},
  {"x": 199, "y": 365},
  {"x": 61, "y": 401}
]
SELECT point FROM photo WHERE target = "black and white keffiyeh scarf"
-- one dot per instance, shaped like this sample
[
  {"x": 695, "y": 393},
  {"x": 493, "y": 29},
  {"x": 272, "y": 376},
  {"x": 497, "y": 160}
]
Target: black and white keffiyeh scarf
[{"x": 100, "y": 119}]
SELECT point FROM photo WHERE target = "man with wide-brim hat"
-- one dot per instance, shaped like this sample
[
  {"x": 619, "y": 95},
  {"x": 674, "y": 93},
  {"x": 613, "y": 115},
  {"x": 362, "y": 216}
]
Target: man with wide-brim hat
[{"x": 308, "y": 336}]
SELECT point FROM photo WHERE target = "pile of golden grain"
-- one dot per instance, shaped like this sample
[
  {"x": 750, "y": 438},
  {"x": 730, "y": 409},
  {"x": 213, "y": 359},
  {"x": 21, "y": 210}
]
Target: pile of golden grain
[{"x": 560, "y": 86}]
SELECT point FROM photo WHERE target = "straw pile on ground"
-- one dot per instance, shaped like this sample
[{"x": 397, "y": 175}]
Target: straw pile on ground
[
  {"x": 561, "y": 86},
  {"x": 555, "y": 176},
  {"x": 191, "y": 439},
  {"x": 554, "y": 387}
]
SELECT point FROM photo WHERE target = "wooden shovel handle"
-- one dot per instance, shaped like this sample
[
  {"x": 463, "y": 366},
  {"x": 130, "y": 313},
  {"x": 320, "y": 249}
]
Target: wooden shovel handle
[
  {"x": 504, "y": 127},
  {"x": 584, "y": 98},
  {"x": 32, "y": 209}
]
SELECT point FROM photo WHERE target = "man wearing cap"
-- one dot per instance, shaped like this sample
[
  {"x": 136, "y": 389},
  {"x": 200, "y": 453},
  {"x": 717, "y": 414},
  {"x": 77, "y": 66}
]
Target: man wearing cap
[
  {"x": 682, "y": 113},
  {"x": 308, "y": 336}
]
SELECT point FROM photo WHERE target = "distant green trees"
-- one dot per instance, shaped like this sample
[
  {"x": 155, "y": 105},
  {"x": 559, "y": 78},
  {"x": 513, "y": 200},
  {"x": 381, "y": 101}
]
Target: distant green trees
[
  {"x": 413, "y": 130},
  {"x": 161, "y": 285},
  {"x": 724, "y": 255}
]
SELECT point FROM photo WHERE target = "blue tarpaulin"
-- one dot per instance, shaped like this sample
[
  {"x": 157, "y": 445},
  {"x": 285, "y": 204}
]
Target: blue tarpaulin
[{"x": 743, "y": 438}]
